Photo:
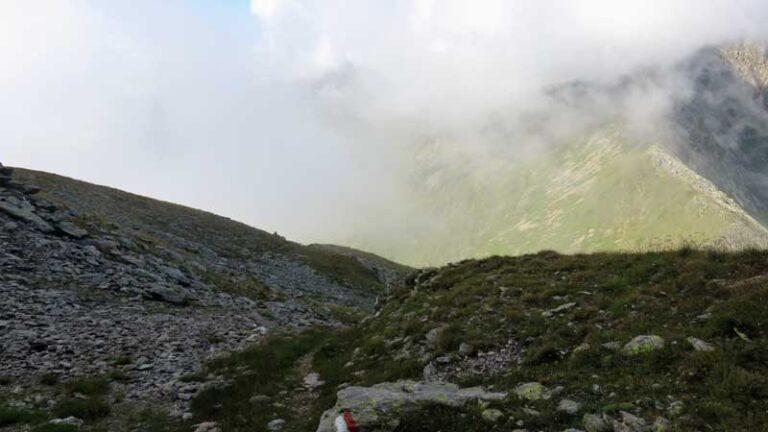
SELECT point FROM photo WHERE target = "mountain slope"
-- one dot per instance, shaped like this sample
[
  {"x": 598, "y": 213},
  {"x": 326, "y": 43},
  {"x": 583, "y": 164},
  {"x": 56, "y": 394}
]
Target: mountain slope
[
  {"x": 723, "y": 127},
  {"x": 202, "y": 238},
  {"x": 703, "y": 182},
  {"x": 604, "y": 192},
  {"x": 660, "y": 341},
  {"x": 101, "y": 288}
]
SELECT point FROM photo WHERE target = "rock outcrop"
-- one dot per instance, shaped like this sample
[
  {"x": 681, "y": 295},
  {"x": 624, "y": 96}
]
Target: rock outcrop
[{"x": 382, "y": 406}]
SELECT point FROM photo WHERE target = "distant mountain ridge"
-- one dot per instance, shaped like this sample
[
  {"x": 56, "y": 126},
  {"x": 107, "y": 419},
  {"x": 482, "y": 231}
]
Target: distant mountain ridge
[
  {"x": 703, "y": 184},
  {"x": 723, "y": 127}
]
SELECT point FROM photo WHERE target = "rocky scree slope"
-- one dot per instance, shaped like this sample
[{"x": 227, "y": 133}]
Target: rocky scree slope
[
  {"x": 664, "y": 341},
  {"x": 100, "y": 284}
]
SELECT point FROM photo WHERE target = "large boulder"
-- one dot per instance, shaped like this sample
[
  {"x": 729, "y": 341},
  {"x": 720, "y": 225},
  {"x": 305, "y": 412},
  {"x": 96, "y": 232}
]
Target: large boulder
[{"x": 382, "y": 406}]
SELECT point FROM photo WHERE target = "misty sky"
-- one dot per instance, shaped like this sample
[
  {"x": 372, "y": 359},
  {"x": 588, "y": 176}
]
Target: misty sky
[{"x": 287, "y": 114}]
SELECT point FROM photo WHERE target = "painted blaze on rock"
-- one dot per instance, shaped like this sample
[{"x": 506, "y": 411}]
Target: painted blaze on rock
[{"x": 382, "y": 406}]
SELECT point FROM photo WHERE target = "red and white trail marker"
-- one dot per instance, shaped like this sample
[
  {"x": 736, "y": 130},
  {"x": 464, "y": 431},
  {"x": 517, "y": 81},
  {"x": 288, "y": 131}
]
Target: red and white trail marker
[{"x": 345, "y": 423}]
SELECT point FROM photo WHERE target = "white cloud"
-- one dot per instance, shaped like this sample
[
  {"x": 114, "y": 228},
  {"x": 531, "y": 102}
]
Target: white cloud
[
  {"x": 283, "y": 113},
  {"x": 266, "y": 9},
  {"x": 459, "y": 59}
]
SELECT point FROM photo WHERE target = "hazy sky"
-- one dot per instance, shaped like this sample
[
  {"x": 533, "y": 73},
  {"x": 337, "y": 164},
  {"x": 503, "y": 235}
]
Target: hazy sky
[{"x": 286, "y": 114}]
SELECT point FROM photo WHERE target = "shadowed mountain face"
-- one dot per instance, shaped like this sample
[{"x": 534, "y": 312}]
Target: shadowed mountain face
[{"x": 724, "y": 125}]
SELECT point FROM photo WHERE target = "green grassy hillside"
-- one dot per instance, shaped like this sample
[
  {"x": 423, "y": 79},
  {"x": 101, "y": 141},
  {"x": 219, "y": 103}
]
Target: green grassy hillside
[
  {"x": 563, "y": 322},
  {"x": 604, "y": 192}
]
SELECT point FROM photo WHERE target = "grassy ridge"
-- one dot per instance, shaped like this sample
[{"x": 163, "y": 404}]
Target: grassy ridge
[
  {"x": 717, "y": 297},
  {"x": 600, "y": 193}
]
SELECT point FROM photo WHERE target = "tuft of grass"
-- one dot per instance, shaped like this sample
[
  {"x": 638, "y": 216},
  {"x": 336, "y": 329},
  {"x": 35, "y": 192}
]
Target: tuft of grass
[
  {"x": 445, "y": 419},
  {"x": 13, "y": 416},
  {"x": 196, "y": 377},
  {"x": 49, "y": 379},
  {"x": 122, "y": 361},
  {"x": 119, "y": 376},
  {"x": 88, "y": 410},
  {"x": 151, "y": 420},
  {"x": 95, "y": 386},
  {"x": 49, "y": 427}
]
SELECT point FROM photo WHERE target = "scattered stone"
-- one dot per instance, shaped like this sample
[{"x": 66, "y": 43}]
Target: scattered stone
[
  {"x": 676, "y": 409},
  {"x": 700, "y": 345},
  {"x": 430, "y": 372},
  {"x": 594, "y": 423},
  {"x": 613, "y": 346},
  {"x": 312, "y": 381},
  {"x": 167, "y": 295},
  {"x": 72, "y": 421},
  {"x": 31, "y": 189},
  {"x": 581, "y": 348},
  {"x": 433, "y": 334},
  {"x": 492, "y": 415},
  {"x": 741, "y": 335},
  {"x": 276, "y": 425},
  {"x": 71, "y": 230},
  {"x": 465, "y": 349},
  {"x": 559, "y": 309},
  {"x": 629, "y": 423},
  {"x": 569, "y": 406},
  {"x": 531, "y": 412},
  {"x": 92, "y": 251},
  {"x": 644, "y": 344},
  {"x": 661, "y": 425},
  {"x": 207, "y": 427},
  {"x": 532, "y": 391}
]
